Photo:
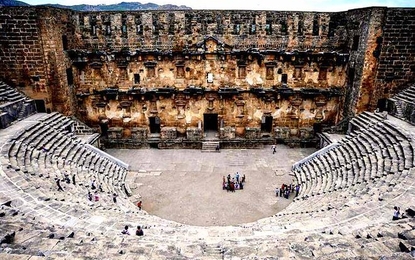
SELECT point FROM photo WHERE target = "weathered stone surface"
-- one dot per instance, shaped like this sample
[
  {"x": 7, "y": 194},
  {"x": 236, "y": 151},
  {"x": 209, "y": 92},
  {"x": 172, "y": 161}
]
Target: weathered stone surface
[
  {"x": 8, "y": 238},
  {"x": 266, "y": 69}
]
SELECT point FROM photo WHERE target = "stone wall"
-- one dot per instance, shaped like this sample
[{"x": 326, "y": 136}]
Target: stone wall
[
  {"x": 396, "y": 53},
  {"x": 21, "y": 52},
  {"x": 363, "y": 28},
  {"x": 55, "y": 31},
  {"x": 287, "y": 74},
  {"x": 174, "y": 30},
  {"x": 32, "y": 54}
]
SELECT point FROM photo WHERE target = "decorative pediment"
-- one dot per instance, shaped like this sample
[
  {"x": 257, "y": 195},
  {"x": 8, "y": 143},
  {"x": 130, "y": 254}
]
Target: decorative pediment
[{"x": 211, "y": 44}]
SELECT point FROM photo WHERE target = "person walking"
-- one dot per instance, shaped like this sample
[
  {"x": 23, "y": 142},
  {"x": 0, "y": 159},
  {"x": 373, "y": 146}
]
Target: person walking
[
  {"x": 58, "y": 183},
  {"x": 297, "y": 189}
]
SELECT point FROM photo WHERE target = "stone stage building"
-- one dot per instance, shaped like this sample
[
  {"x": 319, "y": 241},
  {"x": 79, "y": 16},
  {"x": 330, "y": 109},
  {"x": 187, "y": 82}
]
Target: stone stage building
[{"x": 179, "y": 78}]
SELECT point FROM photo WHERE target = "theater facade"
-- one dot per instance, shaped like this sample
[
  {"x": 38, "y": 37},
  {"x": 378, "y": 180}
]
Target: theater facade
[{"x": 178, "y": 79}]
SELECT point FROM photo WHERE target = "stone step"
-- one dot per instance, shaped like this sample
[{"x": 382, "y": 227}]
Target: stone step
[{"x": 210, "y": 147}]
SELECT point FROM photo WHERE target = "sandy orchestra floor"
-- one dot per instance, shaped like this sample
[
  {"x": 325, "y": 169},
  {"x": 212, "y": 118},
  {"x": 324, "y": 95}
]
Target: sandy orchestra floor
[{"x": 186, "y": 185}]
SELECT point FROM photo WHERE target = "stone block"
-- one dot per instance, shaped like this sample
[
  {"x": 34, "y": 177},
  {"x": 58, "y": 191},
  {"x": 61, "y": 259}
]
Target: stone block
[
  {"x": 227, "y": 132},
  {"x": 306, "y": 133},
  {"x": 139, "y": 133},
  {"x": 194, "y": 133},
  {"x": 282, "y": 132},
  {"x": 168, "y": 133},
  {"x": 115, "y": 132},
  {"x": 252, "y": 132}
]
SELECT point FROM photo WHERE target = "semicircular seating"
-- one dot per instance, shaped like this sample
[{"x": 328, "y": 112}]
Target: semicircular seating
[{"x": 347, "y": 192}]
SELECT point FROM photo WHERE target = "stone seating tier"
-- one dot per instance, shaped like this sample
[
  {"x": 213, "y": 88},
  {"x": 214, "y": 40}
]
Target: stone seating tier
[
  {"x": 38, "y": 150},
  {"x": 349, "y": 190},
  {"x": 368, "y": 154}
]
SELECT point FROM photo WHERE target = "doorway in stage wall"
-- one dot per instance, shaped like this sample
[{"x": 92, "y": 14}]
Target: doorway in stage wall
[
  {"x": 210, "y": 124},
  {"x": 154, "y": 124},
  {"x": 104, "y": 129},
  {"x": 40, "y": 105},
  {"x": 317, "y": 128},
  {"x": 382, "y": 104},
  {"x": 266, "y": 124}
]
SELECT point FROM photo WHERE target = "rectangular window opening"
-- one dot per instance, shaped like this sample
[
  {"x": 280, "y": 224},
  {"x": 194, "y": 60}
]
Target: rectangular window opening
[
  {"x": 241, "y": 72},
  {"x": 355, "y": 44},
  {"x": 270, "y": 73},
  {"x": 69, "y": 76},
  {"x": 322, "y": 74},
  {"x": 136, "y": 78},
  {"x": 284, "y": 78}
]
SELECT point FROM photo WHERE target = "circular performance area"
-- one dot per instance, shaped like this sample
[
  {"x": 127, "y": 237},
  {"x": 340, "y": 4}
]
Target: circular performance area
[{"x": 186, "y": 185}]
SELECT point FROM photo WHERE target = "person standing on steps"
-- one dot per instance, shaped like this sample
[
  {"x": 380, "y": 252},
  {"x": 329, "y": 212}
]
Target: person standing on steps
[
  {"x": 297, "y": 189},
  {"x": 58, "y": 183},
  {"x": 89, "y": 196},
  {"x": 93, "y": 185},
  {"x": 96, "y": 196},
  {"x": 274, "y": 149},
  {"x": 396, "y": 213}
]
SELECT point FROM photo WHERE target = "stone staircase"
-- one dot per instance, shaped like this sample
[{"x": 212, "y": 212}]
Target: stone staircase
[
  {"x": 210, "y": 146},
  {"x": 399, "y": 112},
  {"x": 13, "y": 105},
  {"x": 213, "y": 252},
  {"x": 81, "y": 128},
  {"x": 402, "y": 104}
]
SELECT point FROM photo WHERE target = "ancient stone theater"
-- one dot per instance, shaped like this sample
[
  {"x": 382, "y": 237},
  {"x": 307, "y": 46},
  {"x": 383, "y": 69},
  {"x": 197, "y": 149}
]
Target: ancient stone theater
[{"x": 76, "y": 83}]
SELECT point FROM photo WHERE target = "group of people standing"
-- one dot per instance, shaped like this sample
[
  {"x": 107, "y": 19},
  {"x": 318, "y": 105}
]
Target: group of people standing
[
  {"x": 286, "y": 190},
  {"x": 65, "y": 179},
  {"x": 233, "y": 183}
]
